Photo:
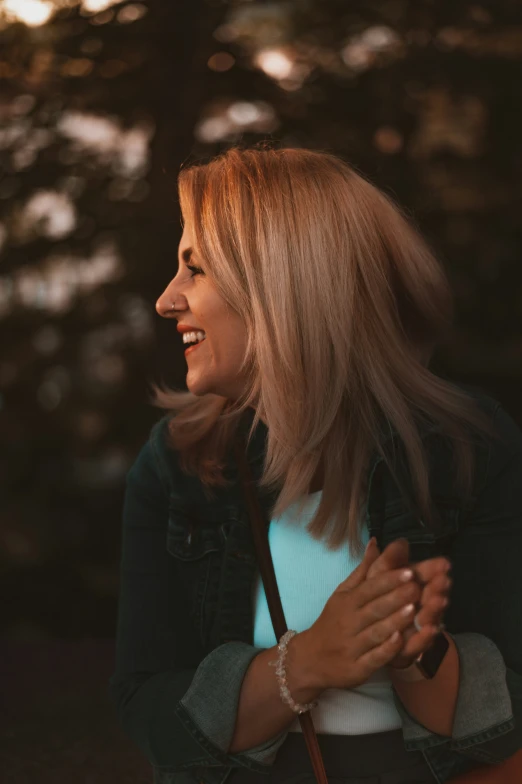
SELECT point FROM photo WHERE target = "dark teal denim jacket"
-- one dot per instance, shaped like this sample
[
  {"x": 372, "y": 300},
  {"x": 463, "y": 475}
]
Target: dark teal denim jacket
[{"x": 185, "y": 620}]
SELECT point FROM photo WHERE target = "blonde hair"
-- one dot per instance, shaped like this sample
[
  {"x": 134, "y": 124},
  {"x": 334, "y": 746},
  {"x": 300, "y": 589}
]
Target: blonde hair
[{"x": 343, "y": 304}]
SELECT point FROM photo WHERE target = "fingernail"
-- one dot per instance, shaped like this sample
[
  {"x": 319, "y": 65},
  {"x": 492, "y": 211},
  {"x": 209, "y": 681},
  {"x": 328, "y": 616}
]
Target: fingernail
[{"x": 369, "y": 544}]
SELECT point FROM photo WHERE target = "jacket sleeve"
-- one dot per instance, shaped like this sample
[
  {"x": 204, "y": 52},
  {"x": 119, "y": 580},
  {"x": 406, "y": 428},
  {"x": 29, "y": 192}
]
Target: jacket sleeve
[
  {"x": 180, "y": 716},
  {"x": 487, "y": 592}
]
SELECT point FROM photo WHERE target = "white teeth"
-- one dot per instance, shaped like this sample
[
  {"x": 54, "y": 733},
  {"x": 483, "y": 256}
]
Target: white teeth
[{"x": 193, "y": 337}]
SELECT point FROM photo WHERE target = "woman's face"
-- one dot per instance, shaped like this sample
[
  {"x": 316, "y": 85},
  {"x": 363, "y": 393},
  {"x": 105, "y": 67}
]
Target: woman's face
[{"x": 213, "y": 366}]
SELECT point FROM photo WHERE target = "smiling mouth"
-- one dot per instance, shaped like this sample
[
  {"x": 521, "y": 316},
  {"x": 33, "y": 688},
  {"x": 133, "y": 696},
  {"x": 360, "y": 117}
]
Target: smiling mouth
[{"x": 194, "y": 346}]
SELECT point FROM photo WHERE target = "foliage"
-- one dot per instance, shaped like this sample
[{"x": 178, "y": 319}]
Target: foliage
[{"x": 101, "y": 102}]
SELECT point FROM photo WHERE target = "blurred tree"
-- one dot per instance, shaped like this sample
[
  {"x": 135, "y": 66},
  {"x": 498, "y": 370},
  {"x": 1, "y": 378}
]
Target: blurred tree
[
  {"x": 101, "y": 102},
  {"x": 98, "y": 107}
]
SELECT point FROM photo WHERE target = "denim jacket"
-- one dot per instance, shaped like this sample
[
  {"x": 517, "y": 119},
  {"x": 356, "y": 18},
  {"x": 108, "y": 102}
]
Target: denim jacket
[{"x": 185, "y": 618}]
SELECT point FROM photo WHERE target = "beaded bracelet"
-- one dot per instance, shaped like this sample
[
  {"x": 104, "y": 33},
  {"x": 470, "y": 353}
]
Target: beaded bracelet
[{"x": 281, "y": 675}]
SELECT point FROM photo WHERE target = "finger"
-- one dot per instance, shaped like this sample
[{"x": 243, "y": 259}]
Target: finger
[
  {"x": 434, "y": 599},
  {"x": 375, "y": 633},
  {"x": 439, "y": 586},
  {"x": 428, "y": 618},
  {"x": 419, "y": 642},
  {"x": 432, "y": 605},
  {"x": 383, "y": 584},
  {"x": 384, "y": 608},
  {"x": 432, "y": 612},
  {"x": 431, "y": 608},
  {"x": 359, "y": 574},
  {"x": 379, "y": 655},
  {"x": 395, "y": 555},
  {"x": 427, "y": 570}
]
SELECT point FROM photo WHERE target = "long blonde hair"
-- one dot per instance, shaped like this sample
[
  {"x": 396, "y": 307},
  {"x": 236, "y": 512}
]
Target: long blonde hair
[{"x": 343, "y": 304}]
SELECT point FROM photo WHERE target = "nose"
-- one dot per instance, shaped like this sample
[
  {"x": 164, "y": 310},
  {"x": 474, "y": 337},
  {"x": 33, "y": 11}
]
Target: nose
[
  {"x": 167, "y": 304},
  {"x": 163, "y": 306}
]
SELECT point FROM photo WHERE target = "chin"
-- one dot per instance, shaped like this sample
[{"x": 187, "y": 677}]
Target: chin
[
  {"x": 208, "y": 383},
  {"x": 198, "y": 389},
  {"x": 200, "y": 385}
]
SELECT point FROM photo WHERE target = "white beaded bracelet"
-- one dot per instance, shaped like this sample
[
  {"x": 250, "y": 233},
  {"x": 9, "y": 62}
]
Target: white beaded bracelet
[{"x": 281, "y": 675}]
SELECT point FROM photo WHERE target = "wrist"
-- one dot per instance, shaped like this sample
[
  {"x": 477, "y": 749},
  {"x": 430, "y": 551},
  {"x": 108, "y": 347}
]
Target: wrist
[
  {"x": 302, "y": 675},
  {"x": 426, "y": 665},
  {"x": 409, "y": 674}
]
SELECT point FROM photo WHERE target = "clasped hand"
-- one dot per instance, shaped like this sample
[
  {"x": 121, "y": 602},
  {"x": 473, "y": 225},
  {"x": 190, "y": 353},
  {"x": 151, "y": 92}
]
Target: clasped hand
[{"x": 434, "y": 585}]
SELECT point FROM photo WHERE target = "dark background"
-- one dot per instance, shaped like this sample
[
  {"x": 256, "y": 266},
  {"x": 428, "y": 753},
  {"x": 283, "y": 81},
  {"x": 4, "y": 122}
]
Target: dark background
[{"x": 101, "y": 103}]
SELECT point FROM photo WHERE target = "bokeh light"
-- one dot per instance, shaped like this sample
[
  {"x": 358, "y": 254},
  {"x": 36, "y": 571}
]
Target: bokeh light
[
  {"x": 221, "y": 62},
  {"x": 104, "y": 100},
  {"x": 31, "y": 12}
]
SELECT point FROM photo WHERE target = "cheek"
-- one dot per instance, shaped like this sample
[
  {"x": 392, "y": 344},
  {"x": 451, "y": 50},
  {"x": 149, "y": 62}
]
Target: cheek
[{"x": 224, "y": 355}]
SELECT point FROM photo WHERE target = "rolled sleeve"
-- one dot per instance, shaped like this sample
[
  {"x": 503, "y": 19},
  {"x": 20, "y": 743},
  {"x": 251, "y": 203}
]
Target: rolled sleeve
[
  {"x": 266, "y": 752},
  {"x": 213, "y": 708},
  {"x": 483, "y": 702},
  {"x": 484, "y": 614}
]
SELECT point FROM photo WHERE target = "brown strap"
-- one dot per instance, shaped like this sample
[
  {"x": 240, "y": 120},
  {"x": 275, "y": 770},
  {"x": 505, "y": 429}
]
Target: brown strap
[{"x": 266, "y": 567}]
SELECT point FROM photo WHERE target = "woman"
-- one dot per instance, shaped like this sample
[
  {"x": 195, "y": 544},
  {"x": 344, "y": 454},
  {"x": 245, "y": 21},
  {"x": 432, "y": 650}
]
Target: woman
[{"x": 312, "y": 308}]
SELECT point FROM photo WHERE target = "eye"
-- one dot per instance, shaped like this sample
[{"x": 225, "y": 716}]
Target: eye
[{"x": 195, "y": 270}]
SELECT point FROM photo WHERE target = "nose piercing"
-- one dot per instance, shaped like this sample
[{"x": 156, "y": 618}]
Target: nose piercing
[{"x": 167, "y": 308}]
